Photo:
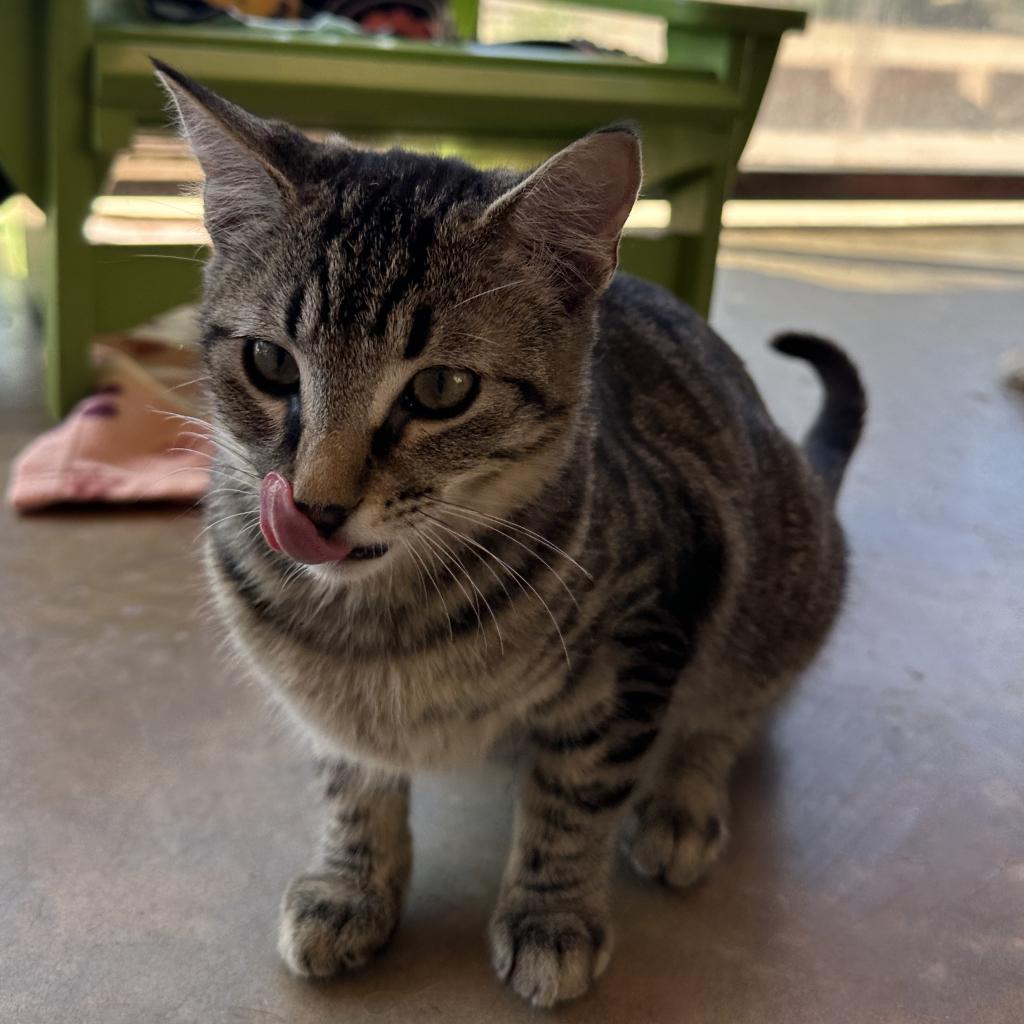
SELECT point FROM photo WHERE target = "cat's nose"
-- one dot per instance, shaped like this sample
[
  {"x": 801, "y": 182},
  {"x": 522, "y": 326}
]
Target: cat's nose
[
  {"x": 326, "y": 518},
  {"x": 294, "y": 529}
]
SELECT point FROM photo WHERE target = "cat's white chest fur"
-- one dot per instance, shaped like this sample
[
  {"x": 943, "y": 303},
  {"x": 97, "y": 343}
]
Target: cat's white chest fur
[{"x": 426, "y": 711}]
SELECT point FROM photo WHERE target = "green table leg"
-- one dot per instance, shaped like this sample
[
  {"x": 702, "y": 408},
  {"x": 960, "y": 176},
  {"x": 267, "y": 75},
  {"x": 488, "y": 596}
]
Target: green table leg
[{"x": 72, "y": 175}]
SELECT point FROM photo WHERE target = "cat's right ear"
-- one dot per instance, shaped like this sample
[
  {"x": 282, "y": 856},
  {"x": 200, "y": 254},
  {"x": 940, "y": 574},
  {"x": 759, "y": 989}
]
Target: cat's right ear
[
  {"x": 252, "y": 167},
  {"x": 568, "y": 215}
]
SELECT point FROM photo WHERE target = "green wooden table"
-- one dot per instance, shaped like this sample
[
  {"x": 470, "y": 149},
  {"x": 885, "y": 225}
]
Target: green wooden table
[{"x": 79, "y": 83}]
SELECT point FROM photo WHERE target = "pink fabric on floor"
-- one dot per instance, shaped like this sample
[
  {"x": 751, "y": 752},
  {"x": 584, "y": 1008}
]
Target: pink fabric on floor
[{"x": 125, "y": 443}]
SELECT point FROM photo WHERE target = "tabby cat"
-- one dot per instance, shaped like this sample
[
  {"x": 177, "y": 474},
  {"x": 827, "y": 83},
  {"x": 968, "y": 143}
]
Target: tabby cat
[{"x": 472, "y": 485}]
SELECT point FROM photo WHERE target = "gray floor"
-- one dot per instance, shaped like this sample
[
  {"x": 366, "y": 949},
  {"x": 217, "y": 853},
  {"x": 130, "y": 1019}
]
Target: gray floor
[{"x": 151, "y": 811}]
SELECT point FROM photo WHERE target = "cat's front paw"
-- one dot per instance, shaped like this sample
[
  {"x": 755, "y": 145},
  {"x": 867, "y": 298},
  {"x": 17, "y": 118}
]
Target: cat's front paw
[
  {"x": 548, "y": 954},
  {"x": 328, "y": 926},
  {"x": 676, "y": 840}
]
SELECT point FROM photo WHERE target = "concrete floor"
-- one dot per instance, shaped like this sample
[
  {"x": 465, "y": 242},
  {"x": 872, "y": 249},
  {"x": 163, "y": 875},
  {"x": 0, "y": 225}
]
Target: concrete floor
[{"x": 151, "y": 812}]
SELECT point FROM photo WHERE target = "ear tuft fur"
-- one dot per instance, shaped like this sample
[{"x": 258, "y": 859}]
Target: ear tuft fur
[
  {"x": 569, "y": 213},
  {"x": 252, "y": 166}
]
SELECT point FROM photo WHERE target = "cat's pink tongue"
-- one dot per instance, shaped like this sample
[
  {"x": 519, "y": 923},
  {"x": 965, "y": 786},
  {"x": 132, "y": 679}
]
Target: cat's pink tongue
[{"x": 286, "y": 529}]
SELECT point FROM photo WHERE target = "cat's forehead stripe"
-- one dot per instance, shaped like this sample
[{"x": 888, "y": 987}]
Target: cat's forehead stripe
[
  {"x": 419, "y": 332},
  {"x": 294, "y": 310},
  {"x": 419, "y": 246}
]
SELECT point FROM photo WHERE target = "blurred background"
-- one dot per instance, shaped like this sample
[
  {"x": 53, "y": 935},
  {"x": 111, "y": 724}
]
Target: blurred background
[
  {"x": 870, "y": 85},
  {"x": 875, "y": 99},
  {"x": 880, "y": 114}
]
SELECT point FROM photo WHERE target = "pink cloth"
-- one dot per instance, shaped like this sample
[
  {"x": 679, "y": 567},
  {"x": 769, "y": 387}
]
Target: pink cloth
[{"x": 131, "y": 441}]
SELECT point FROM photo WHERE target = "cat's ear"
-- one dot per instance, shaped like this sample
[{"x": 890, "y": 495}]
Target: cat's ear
[
  {"x": 569, "y": 213},
  {"x": 252, "y": 166}
]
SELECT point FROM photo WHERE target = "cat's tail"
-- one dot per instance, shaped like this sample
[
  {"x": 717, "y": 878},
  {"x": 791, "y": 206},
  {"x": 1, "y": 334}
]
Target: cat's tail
[{"x": 837, "y": 429}]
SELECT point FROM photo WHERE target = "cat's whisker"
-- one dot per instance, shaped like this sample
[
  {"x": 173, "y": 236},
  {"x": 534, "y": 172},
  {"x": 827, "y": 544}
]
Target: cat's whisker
[
  {"x": 251, "y": 530},
  {"x": 487, "y": 565},
  {"x": 208, "y": 431},
  {"x": 476, "y": 547},
  {"x": 435, "y": 546},
  {"x": 246, "y": 469},
  {"x": 421, "y": 578},
  {"x": 190, "y": 383},
  {"x": 158, "y": 256},
  {"x": 204, "y": 499},
  {"x": 230, "y": 490},
  {"x": 180, "y": 449},
  {"x": 475, "y": 337},
  {"x": 246, "y": 466},
  {"x": 479, "y": 592},
  {"x": 328, "y": 594},
  {"x": 508, "y": 536},
  {"x": 235, "y": 475},
  {"x": 480, "y": 295},
  {"x": 515, "y": 526},
  {"x": 173, "y": 472},
  {"x": 224, "y": 519},
  {"x": 419, "y": 554},
  {"x": 242, "y": 476},
  {"x": 391, "y": 590},
  {"x": 212, "y": 469},
  {"x": 297, "y": 570},
  {"x": 217, "y": 442},
  {"x": 182, "y": 417},
  {"x": 472, "y": 583},
  {"x": 216, "y": 438},
  {"x": 419, "y": 573},
  {"x": 193, "y": 507},
  {"x": 518, "y": 577}
]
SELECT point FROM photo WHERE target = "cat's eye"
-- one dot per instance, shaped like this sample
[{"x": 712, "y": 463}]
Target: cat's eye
[
  {"x": 270, "y": 367},
  {"x": 440, "y": 392}
]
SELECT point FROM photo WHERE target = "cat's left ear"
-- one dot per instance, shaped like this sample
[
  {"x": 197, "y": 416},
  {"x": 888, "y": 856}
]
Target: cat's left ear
[
  {"x": 569, "y": 213},
  {"x": 253, "y": 167}
]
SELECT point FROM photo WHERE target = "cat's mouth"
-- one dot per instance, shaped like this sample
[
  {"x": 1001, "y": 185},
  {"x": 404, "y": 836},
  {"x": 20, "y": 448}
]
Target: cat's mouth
[
  {"x": 288, "y": 530},
  {"x": 364, "y": 554}
]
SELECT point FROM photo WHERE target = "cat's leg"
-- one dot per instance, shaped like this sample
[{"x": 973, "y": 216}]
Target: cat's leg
[
  {"x": 551, "y": 931},
  {"x": 679, "y": 823},
  {"x": 337, "y": 917}
]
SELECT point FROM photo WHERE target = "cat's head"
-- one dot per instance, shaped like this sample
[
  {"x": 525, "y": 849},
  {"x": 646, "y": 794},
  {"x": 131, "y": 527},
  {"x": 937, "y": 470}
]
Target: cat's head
[{"x": 387, "y": 331}]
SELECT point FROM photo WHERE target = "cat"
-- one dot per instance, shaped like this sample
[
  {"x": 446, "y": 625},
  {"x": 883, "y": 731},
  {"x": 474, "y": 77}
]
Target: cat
[{"x": 472, "y": 484}]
